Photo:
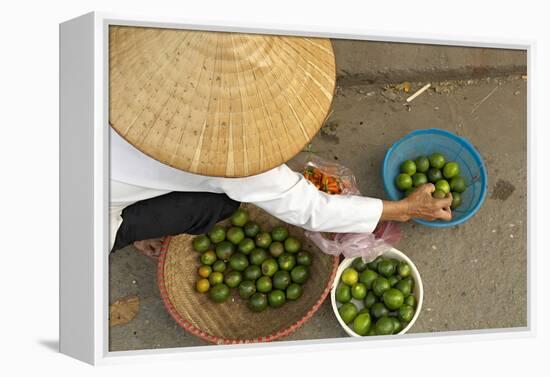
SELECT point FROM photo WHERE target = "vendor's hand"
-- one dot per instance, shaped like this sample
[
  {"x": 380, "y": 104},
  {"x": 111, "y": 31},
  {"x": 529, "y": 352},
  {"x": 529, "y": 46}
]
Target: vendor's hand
[
  {"x": 419, "y": 204},
  {"x": 150, "y": 248}
]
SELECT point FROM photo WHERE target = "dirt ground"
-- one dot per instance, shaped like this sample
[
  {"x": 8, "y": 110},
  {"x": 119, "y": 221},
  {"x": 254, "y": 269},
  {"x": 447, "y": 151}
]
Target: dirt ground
[{"x": 474, "y": 275}]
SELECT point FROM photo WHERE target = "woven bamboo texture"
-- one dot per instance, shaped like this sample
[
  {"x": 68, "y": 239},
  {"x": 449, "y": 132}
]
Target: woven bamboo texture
[
  {"x": 217, "y": 103},
  {"x": 232, "y": 321}
]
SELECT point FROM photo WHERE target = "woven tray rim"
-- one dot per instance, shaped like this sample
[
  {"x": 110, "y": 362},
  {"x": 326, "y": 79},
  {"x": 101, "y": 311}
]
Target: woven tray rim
[{"x": 187, "y": 326}]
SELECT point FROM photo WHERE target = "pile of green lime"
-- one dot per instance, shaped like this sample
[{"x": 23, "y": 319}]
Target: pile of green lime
[
  {"x": 376, "y": 298},
  {"x": 445, "y": 175},
  {"x": 267, "y": 268}
]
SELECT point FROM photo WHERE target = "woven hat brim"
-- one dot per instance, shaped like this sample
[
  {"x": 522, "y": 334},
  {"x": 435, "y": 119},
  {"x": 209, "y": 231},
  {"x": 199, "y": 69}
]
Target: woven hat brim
[{"x": 218, "y": 104}]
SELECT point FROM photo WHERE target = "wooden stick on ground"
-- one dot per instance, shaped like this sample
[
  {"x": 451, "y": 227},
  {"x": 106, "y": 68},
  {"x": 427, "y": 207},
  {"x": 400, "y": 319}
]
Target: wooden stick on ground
[{"x": 418, "y": 92}]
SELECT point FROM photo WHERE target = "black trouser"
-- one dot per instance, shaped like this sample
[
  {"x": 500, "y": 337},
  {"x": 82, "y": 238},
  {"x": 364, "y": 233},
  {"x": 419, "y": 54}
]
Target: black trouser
[{"x": 171, "y": 214}]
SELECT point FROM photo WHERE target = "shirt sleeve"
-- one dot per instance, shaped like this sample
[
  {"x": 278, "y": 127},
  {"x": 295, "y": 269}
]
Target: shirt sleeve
[{"x": 303, "y": 205}]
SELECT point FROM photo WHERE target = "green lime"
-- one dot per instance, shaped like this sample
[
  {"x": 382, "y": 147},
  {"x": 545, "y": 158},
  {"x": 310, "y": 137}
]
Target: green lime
[
  {"x": 438, "y": 194},
  {"x": 404, "y": 286},
  {"x": 294, "y": 291},
  {"x": 258, "y": 256},
  {"x": 276, "y": 249},
  {"x": 303, "y": 258},
  {"x": 393, "y": 280},
  {"x": 347, "y": 312},
  {"x": 257, "y": 302},
  {"x": 408, "y": 167},
  {"x": 264, "y": 284},
  {"x": 422, "y": 164},
  {"x": 361, "y": 324},
  {"x": 395, "y": 262},
  {"x": 246, "y": 246},
  {"x": 451, "y": 169},
  {"x": 263, "y": 240},
  {"x": 403, "y": 182},
  {"x": 219, "y": 292},
  {"x": 224, "y": 250},
  {"x": 437, "y": 160},
  {"x": 386, "y": 268},
  {"x": 457, "y": 200},
  {"x": 404, "y": 269},
  {"x": 286, "y": 261},
  {"x": 434, "y": 175},
  {"x": 410, "y": 280},
  {"x": 215, "y": 278},
  {"x": 279, "y": 233},
  {"x": 299, "y": 274},
  {"x": 233, "y": 279},
  {"x": 238, "y": 262},
  {"x": 235, "y": 235},
  {"x": 239, "y": 217},
  {"x": 406, "y": 313},
  {"x": 358, "y": 291},
  {"x": 292, "y": 245},
  {"x": 443, "y": 185},
  {"x": 396, "y": 325},
  {"x": 372, "y": 330},
  {"x": 370, "y": 299},
  {"x": 269, "y": 267},
  {"x": 201, "y": 243},
  {"x": 393, "y": 298},
  {"x": 219, "y": 266},
  {"x": 208, "y": 258},
  {"x": 378, "y": 310},
  {"x": 251, "y": 229},
  {"x": 380, "y": 285},
  {"x": 281, "y": 279},
  {"x": 359, "y": 264},
  {"x": 202, "y": 285},
  {"x": 247, "y": 288},
  {"x": 343, "y": 293},
  {"x": 350, "y": 276},
  {"x": 217, "y": 234},
  {"x": 374, "y": 264},
  {"x": 384, "y": 326},
  {"x": 418, "y": 179},
  {"x": 411, "y": 301},
  {"x": 205, "y": 271},
  {"x": 458, "y": 184},
  {"x": 276, "y": 298},
  {"x": 252, "y": 272}
]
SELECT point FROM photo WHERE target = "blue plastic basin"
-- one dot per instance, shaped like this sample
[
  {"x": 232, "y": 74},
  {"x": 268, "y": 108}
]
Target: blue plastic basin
[{"x": 454, "y": 148}]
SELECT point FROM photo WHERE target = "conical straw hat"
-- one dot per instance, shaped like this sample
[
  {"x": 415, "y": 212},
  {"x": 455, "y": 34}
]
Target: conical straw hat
[{"x": 218, "y": 104}]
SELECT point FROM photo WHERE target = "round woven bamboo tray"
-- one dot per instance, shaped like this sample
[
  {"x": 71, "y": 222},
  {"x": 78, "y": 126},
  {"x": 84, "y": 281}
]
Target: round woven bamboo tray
[{"x": 232, "y": 322}]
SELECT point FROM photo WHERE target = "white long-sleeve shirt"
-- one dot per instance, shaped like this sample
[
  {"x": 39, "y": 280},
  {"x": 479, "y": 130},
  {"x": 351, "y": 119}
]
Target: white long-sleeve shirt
[{"x": 281, "y": 192}]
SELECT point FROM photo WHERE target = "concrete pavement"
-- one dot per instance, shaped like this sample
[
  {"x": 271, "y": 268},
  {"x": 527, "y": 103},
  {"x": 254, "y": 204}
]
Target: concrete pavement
[{"x": 474, "y": 275}]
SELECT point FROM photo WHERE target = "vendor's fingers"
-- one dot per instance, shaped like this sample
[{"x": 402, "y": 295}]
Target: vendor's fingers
[
  {"x": 445, "y": 215},
  {"x": 155, "y": 252},
  {"x": 445, "y": 202},
  {"x": 156, "y": 244},
  {"x": 428, "y": 187}
]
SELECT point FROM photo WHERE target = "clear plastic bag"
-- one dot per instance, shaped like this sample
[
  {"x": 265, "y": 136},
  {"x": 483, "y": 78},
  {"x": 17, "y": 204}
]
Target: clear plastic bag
[
  {"x": 336, "y": 179},
  {"x": 327, "y": 176}
]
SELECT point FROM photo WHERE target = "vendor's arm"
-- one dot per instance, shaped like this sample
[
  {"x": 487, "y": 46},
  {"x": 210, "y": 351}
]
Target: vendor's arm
[
  {"x": 300, "y": 203},
  {"x": 305, "y": 206}
]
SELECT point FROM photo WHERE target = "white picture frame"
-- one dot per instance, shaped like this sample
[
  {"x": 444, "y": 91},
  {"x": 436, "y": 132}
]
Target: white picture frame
[{"x": 84, "y": 188}]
